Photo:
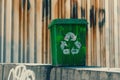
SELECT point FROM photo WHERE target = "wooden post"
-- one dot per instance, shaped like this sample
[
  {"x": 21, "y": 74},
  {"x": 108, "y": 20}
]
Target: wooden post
[
  {"x": 55, "y": 8},
  {"x": 88, "y": 57},
  {"x": 116, "y": 33},
  {"x": 91, "y": 30},
  {"x": 79, "y": 8},
  {"x": 93, "y": 27},
  {"x": 31, "y": 27},
  {"x": 21, "y": 33},
  {"x": 111, "y": 24},
  {"x": 102, "y": 32},
  {"x": 8, "y": 30},
  {"x": 97, "y": 34},
  {"x": 2, "y": 29},
  {"x": 104, "y": 48},
  {"x": 39, "y": 30},
  {"x": 118, "y": 8},
  {"x": 59, "y": 8},
  {"x": 46, "y": 30},
  {"x": 63, "y": 9},
  {"x": 45, "y": 35},
  {"x": 107, "y": 33},
  {"x": 95, "y": 31},
  {"x": 67, "y": 9},
  {"x": 25, "y": 34},
  {"x": 42, "y": 29},
  {"x": 85, "y": 6},
  {"x": 48, "y": 34},
  {"x": 71, "y": 8},
  {"x": 15, "y": 30},
  {"x": 83, "y": 9}
]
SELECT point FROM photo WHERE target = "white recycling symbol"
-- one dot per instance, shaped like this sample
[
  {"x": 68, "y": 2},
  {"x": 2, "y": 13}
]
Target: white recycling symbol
[{"x": 70, "y": 37}]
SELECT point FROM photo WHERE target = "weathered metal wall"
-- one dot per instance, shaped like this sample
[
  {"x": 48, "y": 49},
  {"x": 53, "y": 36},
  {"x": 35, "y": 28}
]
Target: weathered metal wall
[
  {"x": 47, "y": 72},
  {"x": 21, "y": 31},
  {"x": 24, "y": 36},
  {"x": 25, "y": 72}
]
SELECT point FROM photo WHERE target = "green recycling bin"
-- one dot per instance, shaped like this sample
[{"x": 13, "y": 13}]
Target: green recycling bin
[{"x": 68, "y": 42}]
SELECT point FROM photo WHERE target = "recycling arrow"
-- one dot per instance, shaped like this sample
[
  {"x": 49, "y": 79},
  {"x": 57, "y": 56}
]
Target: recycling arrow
[{"x": 70, "y": 37}]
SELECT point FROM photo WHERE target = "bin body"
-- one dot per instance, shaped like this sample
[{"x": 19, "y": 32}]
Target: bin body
[{"x": 68, "y": 42}]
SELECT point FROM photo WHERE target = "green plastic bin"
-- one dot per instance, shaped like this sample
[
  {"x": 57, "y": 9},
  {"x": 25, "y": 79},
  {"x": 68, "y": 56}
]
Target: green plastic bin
[{"x": 68, "y": 42}]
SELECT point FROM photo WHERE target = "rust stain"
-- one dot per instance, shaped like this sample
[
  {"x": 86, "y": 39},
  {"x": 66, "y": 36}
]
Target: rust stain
[
  {"x": 63, "y": 9},
  {"x": 24, "y": 21},
  {"x": 38, "y": 6}
]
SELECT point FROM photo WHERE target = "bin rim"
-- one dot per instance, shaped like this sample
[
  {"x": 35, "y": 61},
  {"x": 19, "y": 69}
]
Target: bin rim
[{"x": 67, "y": 21}]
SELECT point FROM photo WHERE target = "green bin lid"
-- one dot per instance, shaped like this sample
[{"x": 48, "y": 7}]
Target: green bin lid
[{"x": 67, "y": 21}]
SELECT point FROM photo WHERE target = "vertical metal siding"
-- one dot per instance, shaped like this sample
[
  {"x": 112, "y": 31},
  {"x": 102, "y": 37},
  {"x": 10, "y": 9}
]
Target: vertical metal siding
[{"x": 24, "y": 36}]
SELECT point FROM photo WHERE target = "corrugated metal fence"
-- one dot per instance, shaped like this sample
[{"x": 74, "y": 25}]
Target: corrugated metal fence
[{"x": 24, "y": 36}]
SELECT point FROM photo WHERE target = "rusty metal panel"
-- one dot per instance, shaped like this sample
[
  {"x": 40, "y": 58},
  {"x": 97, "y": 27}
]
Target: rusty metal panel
[{"x": 24, "y": 36}]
